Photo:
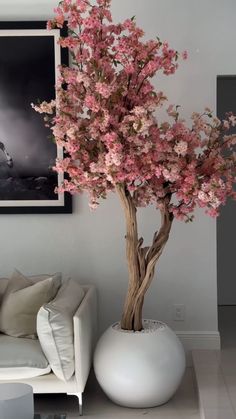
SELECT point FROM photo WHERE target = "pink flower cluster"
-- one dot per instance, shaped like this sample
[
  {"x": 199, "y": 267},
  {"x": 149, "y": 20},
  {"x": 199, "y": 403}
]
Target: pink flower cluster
[{"x": 105, "y": 119}]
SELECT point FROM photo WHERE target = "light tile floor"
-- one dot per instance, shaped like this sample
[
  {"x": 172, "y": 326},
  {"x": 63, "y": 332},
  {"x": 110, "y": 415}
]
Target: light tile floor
[
  {"x": 216, "y": 375},
  {"x": 184, "y": 404},
  {"x": 216, "y": 371}
]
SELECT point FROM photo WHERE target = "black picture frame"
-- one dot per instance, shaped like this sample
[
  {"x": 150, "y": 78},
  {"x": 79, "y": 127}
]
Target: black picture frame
[{"x": 29, "y": 59}]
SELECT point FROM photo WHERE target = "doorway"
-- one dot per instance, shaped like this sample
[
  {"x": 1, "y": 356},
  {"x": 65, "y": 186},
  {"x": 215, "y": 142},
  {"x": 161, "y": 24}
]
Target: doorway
[{"x": 226, "y": 234}]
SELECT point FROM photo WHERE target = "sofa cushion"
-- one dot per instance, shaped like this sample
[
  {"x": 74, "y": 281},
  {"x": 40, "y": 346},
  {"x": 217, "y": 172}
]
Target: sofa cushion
[
  {"x": 21, "y": 358},
  {"x": 55, "y": 329},
  {"x": 34, "y": 278},
  {"x": 21, "y": 302}
]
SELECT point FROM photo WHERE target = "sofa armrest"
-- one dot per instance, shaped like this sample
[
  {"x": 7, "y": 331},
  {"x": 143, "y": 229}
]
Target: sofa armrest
[{"x": 85, "y": 335}]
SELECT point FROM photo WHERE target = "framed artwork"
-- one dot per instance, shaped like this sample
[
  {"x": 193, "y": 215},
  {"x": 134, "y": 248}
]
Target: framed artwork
[{"x": 29, "y": 59}]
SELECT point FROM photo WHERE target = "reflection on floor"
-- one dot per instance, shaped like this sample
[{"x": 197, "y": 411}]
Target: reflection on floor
[
  {"x": 227, "y": 327},
  {"x": 184, "y": 405},
  {"x": 216, "y": 371}
]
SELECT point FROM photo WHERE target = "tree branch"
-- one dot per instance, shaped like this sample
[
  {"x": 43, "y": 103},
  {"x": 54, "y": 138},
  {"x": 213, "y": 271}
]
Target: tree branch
[
  {"x": 154, "y": 252},
  {"x": 131, "y": 232}
]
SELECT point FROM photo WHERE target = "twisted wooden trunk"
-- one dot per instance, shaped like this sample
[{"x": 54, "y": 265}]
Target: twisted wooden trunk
[{"x": 141, "y": 260}]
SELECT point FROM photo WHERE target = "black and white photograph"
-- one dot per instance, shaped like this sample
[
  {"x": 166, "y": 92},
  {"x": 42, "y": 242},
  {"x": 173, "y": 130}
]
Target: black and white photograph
[{"x": 29, "y": 57}]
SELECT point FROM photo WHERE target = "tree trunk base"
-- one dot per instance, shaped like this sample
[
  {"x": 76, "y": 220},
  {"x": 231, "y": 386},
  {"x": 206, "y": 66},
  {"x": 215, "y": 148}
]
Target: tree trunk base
[{"x": 132, "y": 315}]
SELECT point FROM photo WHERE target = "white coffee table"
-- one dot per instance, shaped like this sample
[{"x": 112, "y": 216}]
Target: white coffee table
[{"x": 16, "y": 401}]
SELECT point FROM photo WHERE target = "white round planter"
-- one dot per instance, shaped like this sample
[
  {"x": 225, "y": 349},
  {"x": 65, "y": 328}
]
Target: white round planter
[{"x": 139, "y": 369}]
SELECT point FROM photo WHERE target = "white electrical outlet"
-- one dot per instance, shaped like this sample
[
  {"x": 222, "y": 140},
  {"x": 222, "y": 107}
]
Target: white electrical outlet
[{"x": 179, "y": 312}]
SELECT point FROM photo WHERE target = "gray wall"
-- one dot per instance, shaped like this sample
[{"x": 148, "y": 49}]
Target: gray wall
[{"x": 91, "y": 246}]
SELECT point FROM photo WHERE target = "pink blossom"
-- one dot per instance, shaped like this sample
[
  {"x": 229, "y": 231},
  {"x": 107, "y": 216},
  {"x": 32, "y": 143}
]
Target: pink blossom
[
  {"x": 82, "y": 5},
  {"x": 171, "y": 110},
  {"x": 93, "y": 204},
  {"x": 142, "y": 125},
  {"x": 139, "y": 111},
  {"x": 69, "y": 42},
  {"x": 226, "y": 124},
  {"x": 50, "y": 25},
  {"x": 213, "y": 212},
  {"x": 104, "y": 89},
  {"x": 203, "y": 196},
  {"x": 92, "y": 22},
  {"x": 83, "y": 78},
  {"x": 62, "y": 165},
  {"x": 232, "y": 120},
  {"x": 181, "y": 148},
  {"x": 106, "y": 117},
  {"x": 110, "y": 137},
  {"x": 104, "y": 3},
  {"x": 91, "y": 103},
  {"x": 129, "y": 68},
  {"x": 60, "y": 19},
  {"x": 45, "y": 107},
  {"x": 103, "y": 123}
]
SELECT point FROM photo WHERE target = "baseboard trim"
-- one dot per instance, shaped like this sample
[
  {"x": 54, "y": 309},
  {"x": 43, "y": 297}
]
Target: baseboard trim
[{"x": 198, "y": 340}]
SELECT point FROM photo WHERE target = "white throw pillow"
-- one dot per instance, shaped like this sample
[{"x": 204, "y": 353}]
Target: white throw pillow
[{"x": 55, "y": 329}]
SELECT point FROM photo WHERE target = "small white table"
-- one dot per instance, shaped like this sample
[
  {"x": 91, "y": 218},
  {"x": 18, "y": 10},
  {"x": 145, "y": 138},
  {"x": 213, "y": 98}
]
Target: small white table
[{"x": 16, "y": 401}]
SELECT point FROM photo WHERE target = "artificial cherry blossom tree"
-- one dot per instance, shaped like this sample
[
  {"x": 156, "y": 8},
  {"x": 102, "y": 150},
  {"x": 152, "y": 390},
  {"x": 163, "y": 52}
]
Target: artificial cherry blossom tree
[{"x": 104, "y": 117}]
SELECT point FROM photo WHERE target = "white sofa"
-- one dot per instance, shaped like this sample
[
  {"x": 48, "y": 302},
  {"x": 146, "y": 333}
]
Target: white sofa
[{"x": 85, "y": 333}]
